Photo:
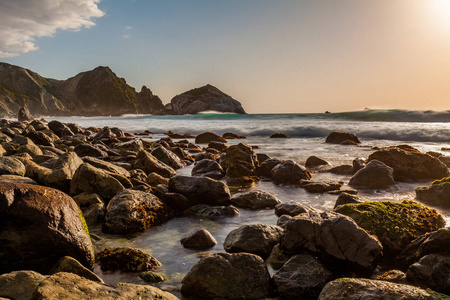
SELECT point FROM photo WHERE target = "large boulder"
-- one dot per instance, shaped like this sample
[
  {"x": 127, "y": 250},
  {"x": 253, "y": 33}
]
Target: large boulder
[
  {"x": 201, "y": 239},
  {"x": 207, "y": 137},
  {"x": 19, "y": 285},
  {"x": 374, "y": 175},
  {"x": 255, "y": 200},
  {"x": 132, "y": 211},
  {"x": 11, "y": 165},
  {"x": 72, "y": 286},
  {"x": 265, "y": 168},
  {"x": 301, "y": 277},
  {"x": 93, "y": 180},
  {"x": 208, "y": 168},
  {"x": 89, "y": 150},
  {"x": 335, "y": 238},
  {"x": 289, "y": 172},
  {"x": 258, "y": 239},
  {"x": 360, "y": 288},
  {"x": 291, "y": 208},
  {"x": 149, "y": 164},
  {"x": 438, "y": 193},
  {"x": 411, "y": 165},
  {"x": 24, "y": 115},
  {"x": 341, "y": 137},
  {"x": 126, "y": 259},
  {"x": 431, "y": 271},
  {"x": 59, "y": 128},
  {"x": 394, "y": 224},
  {"x": 204, "y": 211},
  {"x": 107, "y": 166},
  {"x": 201, "y": 190},
  {"x": 168, "y": 157},
  {"x": 34, "y": 171},
  {"x": 314, "y": 161},
  {"x": 38, "y": 226},
  {"x": 63, "y": 170},
  {"x": 228, "y": 276},
  {"x": 240, "y": 160}
]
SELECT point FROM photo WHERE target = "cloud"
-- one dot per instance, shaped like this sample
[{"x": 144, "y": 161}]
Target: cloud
[
  {"x": 128, "y": 27},
  {"x": 21, "y": 21},
  {"x": 126, "y": 36}
]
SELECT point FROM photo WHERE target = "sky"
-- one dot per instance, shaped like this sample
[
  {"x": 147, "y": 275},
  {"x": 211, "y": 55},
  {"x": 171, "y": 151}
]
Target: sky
[{"x": 284, "y": 56}]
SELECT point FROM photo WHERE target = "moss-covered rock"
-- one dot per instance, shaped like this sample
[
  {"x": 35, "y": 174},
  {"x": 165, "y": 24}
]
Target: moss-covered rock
[
  {"x": 395, "y": 224},
  {"x": 437, "y": 193},
  {"x": 126, "y": 259}
]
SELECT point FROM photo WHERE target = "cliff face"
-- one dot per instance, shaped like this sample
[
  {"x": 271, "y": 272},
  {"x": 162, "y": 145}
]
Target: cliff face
[
  {"x": 92, "y": 93},
  {"x": 204, "y": 98}
]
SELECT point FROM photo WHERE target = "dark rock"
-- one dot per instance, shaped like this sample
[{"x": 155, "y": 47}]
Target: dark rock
[
  {"x": 34, "y": 171},
  {"x": 133, "y": 145},
  {"x": 228, "y": 276},
  {"x": 438, "y": 193},
  {"x": 133, "y": 211},
  {"x": 335, "y": 238},
  {"x": 201, "y": 239},
  {"x": 168, "y": 157},
  {"x": 175, "y": 201},
  {"x": 321, "y": 187},
  {"x": 395, "y": 276},
  {"x": 95, "y": 214},
  {"x": 63, "y": 171},
  {"x": 207, "y": 212},
  {"x": 230, "y": 135},
  {"x": 207, "y": 137},
  {"x": 19, "y": 285},
  {"x": 40, "y": 138},
  {"x": 346, "y": 198},
  {"x": 12, "y": 166},
  {"x": 84, "y": 200},
  {"x": 208, "y": 168},
  {"x": 289, "y": 172},
  {"x": 24, "y": 115},
  {"x": 240, "y": 160},
  {"x": 201, "y": 190},
  {"x": 339, "y": 137},
  {"x": 205, "y": 155},
  {"x": 258, "y": 239},
  {"x": 262, "y": 157},
  {"x": 151, "y": 277},
  {"x": 314, "y": 161},
  {"x": 255, "y": 200},
  {"x": 105, "y": 133},
  {"x": 358, "y": 164},
  {"x": 394, "y": 224},
  {"x": 153, "y": 179},
  {"x": 431, "y": 271},
  {"x": 107, "y": 166},
  {"x": 265, "y": 168},
  {"x": 205, "y": 98},
  {"x": 301, "y": 277},
  {"x": 39, "y": 225},
  {"x": 359, "y": 288},
  {"x": 59, "y": 128},
  {"x": 343, "y": 170},
  {"x": 31, "y": 149},
  {"x": 291, "y": 208},
  {"x": 279, "y": 136},
  {"x": 411, "y": 165},
  {"x": 374, "y": 175},
  {"x": 7, "y": 178},
  {"x": 126, "y": 259},
  {"x": 218, "y": 146},
  {"x": 71, "y": 265},
  {"x": 149, "y": 164},
  {"x": 277, "y": 258}
]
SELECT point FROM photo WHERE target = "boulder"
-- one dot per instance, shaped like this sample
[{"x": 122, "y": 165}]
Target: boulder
[
  {"x": 339, "y": 137},
  {"x": 94, "y": 214},
  {"x": 201, "y": 239},
  {"x": 343, "y": 170},
  {"x": 84, "y": 200},
  {"x": 153, "y": 179},
  {"x": 16, "y": 179},
  {"x": 93, "y": 180},
  {"x": 265, "y": 168},
  {"x": 59, "y": 128},
  {"x": 240, "y": 160},
  {"x": 231, "y": 136},
  {"x": 255, "y": 200},
  {"x": 63, "y": 171},
  {"x": 395, "y": 276},
  {"x": 321, "y": 187},
  {"x": 358, "y": 163},
  {"x": 133, "y": 145},
  {"x": 35, "y": 171},
  {"x": 335, "y": 238},
  {"x": 314, "y": 161},
  {"x": 31, "y": 149},
  {"x": 71, "y": 265},
  {"x": 279, "y": 136},
  {"x": 289, "y": 172},
  {"x": 71, "y": 286},
  {"x": 152, "y": 277},
  {"x": 438, "y": 193},
  {"x": 374, "y": 175},
  {"x": 205, "y": 155},
  {"x": 24, "y": 115},
  {"x": 411, "y": 165},
  {"x": 346, "y": 198},
  {"x": 207, "y": 137},
  {"x": 149, "y": 164},
  {"x": 431, "y": 271},
  {"x": 277, "y": 258},
  {"x": 360, "y": 288},
  {"x": 133, "y": 211},
  {"x": 126, "y": 259},
  {"x": 11, "y": 165},
  {"x": 207, "y": 212},
  {"x": 168, "y": 157},
  {"x": 301, "y": 277},
  {"x": 394, "y": 224},
  {"x": 38, "y": 226},
  {"x": 291, "y": 208},
  {"x": 201, "y": 190},
  {"x": 208, "y": 168},
  {"x": 107, "y": 166},
  {"x": 40, "y": 138},
  {"x": 19, "y": 285},
  {"x": 105, "y": 133},
  {"x": 228, "y": 276},
  {"x": 218, "y": 146},
  {"x": 89, "y": 150}
]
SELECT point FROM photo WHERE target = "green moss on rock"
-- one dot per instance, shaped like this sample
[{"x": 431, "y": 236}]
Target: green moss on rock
[{"x": 126, "y": 260}]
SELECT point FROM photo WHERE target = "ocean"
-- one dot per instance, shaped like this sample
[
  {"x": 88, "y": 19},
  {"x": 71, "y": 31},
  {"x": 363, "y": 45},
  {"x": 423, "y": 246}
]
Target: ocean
[{"x": 425, "y": 130}]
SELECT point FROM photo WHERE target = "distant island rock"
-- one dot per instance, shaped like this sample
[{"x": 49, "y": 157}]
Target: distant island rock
[
  {"x": 99, "y": 92},
  {"x": 205, "y": 98}
]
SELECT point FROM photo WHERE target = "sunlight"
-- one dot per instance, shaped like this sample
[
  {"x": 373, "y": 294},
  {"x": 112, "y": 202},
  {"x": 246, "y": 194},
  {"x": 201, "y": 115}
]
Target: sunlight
[{"x": 442, "y": 11}]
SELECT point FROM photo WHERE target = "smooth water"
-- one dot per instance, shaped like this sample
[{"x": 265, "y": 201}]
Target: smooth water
[{"x": 308, "y": 132}]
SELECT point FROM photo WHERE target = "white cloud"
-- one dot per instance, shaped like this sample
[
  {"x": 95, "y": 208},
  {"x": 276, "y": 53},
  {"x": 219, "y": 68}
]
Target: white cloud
[
  {"x": 126, "y": 36},
  {"x": 128, "y": 27},
  {"x": 21, "y": 21}
]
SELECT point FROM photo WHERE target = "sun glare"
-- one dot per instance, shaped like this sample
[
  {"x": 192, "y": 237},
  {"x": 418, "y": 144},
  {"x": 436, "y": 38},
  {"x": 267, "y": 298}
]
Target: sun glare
[{"x": 442, "y": 11}]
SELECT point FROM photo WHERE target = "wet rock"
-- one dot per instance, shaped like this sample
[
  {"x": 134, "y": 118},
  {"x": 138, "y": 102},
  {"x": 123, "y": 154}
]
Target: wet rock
[
  {"x": 71, "y": 286},
  {"x": 358, "y": 164},
  {"x": 431, "y": 271},
  {"x": 230, "y": 135},
  {"x": 314, "y": 161},
  {"x": 93, "y": 180},
  {"x": 395, "y": 276},
  {"x": 133, "y": 145},
  {"x": 339, "y": 137},
  {"x": 168, "y": 157},
  {"x": 34, "y": 171},
  {"x": 71, "y": 265},
  {"x": 31, "y": 149},
  {"x": 411, "y": 165},
  {"x": 301, "y": 277},
  {"x": 84, "y": 200},
  {"x": 255, "y": 200},
  {"x": 94, "y": 214},
  {"x": 277, "y": 258},
  {"x": 63, "y": 171},
  {"x": 153, "y": 179},
  {"x": 240, "y": 160},
  {"x": 201, "y": 239},
  {"x": 343, "y": 170},
  {"x": 60, "y": 129},
  {"x": 322, "y": 187},
  {"x": 346, "y": 198},
  {"x": 107, "y": 166},
  {"x": 151, "y": 277},
  {"x": 394, "y": 224},
  {"x": 374, "y": 175},
  {"x": 359, "y": 288},
  {"x": 16, "y": 179},
  {"x": 218, "y": 146},
  {"x": 201, "y": 190},
  {"x": 279, "y": 136},
  {"x": 262, "y": 157},
  {"x": 208, "y": 168},
  {"x": 24, "y": 115},
  {"x": 133, "y": 211},
  {"x": 265, "y": 168},
  {"x": 89, "y": 150},
  {"x": 335, "y": 238},
  {"x": 149, "y": 164},
  {"x": 126, "y": 259},
  {"x": 438, "y": 193},
  {"x": 291, "y": 208},
  {"x": 11, "y": 165},
  {"x": 258, "y": 239},
  {"x": 207, "y": 212},
  {"x": 19, "y": 285},
  {"x": 38, "y": 226},
  {"x": 228, "y": 276},
  {"x": 207, "y": 137},
  {"x": 176, "y": 201},
  {"x": 289, "y": 172}
]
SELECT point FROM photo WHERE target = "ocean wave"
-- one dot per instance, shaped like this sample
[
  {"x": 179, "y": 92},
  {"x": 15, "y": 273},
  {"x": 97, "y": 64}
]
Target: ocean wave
[{"x": 394, "y": 115}]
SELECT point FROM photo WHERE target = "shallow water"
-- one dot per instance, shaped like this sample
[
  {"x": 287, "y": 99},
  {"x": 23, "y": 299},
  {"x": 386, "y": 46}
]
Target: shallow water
[{"x": 308, "y": 134}]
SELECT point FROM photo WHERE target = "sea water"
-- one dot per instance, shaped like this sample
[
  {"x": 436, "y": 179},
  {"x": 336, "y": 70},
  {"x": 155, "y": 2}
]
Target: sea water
[{"x": 425, "y": 130}]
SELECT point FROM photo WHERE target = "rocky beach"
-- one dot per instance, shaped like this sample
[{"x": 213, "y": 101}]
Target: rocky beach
[{"x": 101, "y": 212}]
